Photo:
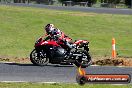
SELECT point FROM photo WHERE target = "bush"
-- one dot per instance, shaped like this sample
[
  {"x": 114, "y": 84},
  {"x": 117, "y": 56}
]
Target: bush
[
  {"x": 115, "y": 1},
  {"x": 128, "y": 3},
  {"x": 111, "y": 1}
]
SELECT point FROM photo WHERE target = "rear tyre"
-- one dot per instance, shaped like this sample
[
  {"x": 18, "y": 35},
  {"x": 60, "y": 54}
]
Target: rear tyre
[
  {"x": 83, "y": 61},
  {"x": 39, "y": 59}
]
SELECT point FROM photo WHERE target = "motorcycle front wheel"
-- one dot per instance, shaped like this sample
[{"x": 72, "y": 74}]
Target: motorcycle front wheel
[
  {"x": 83, "y": 61},
  {"x": 39, "y": 58}
]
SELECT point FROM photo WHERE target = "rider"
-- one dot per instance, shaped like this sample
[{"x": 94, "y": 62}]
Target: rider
[{"x": 52, "y": 31}]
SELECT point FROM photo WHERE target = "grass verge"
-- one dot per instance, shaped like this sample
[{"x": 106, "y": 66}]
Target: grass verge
[{"x": 57, "y": 85}]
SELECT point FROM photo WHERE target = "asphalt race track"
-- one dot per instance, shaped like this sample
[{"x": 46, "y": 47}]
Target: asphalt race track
[
  {"x": 13, "y": 72},
  {"x": 83, "y": 9}
]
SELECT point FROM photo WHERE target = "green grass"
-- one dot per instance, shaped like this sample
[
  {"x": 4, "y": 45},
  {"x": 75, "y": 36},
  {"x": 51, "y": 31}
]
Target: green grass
[
  {"x": 56, "y": 85},
  {"x": 21, "y": 26}
]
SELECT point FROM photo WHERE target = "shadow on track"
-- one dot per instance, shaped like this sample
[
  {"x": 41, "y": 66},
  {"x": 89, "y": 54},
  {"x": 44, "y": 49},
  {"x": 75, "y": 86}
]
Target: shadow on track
[{"x": 49, "y": 65}]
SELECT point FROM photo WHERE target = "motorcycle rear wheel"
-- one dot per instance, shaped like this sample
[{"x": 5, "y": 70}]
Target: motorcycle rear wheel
[{"x": 38, "y": 60}]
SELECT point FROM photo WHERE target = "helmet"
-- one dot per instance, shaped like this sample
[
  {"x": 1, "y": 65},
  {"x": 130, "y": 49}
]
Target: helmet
[{"x": 49, "y": 28}]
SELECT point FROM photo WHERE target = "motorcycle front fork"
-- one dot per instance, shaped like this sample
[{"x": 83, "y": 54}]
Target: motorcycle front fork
[{"x": 40, "y": 54}]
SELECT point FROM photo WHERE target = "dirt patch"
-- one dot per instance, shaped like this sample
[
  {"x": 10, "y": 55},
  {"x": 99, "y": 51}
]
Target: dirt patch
[
  {"x": 114, "y": 62},
  {"x": 14, "y": 59}
]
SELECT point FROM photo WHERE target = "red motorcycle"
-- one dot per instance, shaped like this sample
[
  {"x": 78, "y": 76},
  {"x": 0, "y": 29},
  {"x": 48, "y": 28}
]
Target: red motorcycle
[{"x": 51, "y": 51}]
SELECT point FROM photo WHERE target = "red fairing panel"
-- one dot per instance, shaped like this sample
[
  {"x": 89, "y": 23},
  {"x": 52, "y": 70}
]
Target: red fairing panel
[
  {"x": 49, "y": 43},
  {"x": 80, "y": 41}
]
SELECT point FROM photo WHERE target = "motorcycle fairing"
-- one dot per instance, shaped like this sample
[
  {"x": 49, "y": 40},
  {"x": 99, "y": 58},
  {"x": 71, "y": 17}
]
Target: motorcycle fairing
[
  {"x": 80, "y": 41},
  {"x": 50, "y": 42},
  {"x": 56, "y": 54}
]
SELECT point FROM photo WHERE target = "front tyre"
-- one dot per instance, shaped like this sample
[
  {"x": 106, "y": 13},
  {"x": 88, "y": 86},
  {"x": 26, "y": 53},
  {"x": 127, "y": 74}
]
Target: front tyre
[
  {"x": 81, "y": 80},
  {"x": 83, "y": 61},
  {"x": 39, "y": 58}
]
